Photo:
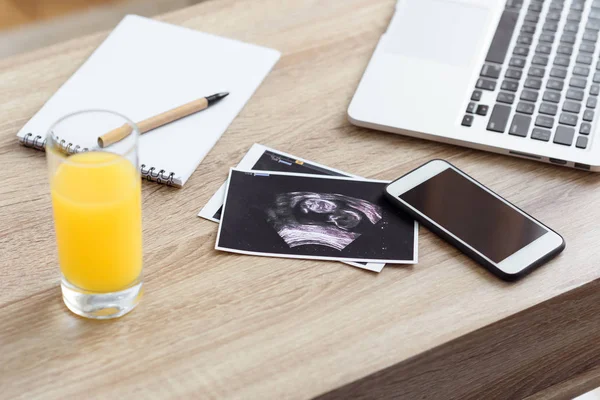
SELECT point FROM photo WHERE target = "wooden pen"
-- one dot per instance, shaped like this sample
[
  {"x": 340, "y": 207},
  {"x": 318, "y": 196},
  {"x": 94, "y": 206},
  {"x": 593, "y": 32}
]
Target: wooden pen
[{"x": 161, "y": 119}]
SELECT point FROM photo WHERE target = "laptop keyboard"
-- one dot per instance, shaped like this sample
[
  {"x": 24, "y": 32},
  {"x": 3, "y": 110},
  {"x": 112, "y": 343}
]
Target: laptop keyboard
[{"x": 547, "y": 88}]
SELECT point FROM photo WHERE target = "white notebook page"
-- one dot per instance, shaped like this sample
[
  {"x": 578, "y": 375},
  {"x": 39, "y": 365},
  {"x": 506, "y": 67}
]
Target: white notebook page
[{"x": 146, "y": 67}]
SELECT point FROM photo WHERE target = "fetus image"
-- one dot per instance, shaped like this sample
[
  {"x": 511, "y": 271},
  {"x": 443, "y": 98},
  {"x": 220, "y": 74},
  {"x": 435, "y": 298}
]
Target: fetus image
[{"x": 325, "y": 219}]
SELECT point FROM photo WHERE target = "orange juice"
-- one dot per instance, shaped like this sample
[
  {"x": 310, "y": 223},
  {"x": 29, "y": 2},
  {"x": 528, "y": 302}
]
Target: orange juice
[{"x": 98, "y": 221}]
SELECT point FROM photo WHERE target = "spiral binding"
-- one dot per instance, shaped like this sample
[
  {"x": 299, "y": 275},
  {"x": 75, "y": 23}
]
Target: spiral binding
[
  {"x": 36, "y": 142},
  {"x": 160, "y": 176}
]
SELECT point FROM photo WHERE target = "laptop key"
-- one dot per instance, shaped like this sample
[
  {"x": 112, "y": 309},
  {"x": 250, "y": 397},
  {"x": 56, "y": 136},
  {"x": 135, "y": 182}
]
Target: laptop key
[
  {"x": 562, "y": 61},
  {"x": 593, "y": 24},
  {"x": 587, "y": 47},
  {"x": 572, "y": 106},
  {"x": 532, "y": 17},
  {"x": 568, "y": 119},
  {"x": 536, "y": 7},
  {"x": 482, "y": 109},
  {"x": 567, "y": 37},
  {"x": 543, "y": 48},
  {"x": 476, "y": 96},
  {"x": 524, "y": 39},
  {"x": 517, "y": 62},
  {"x": 583, "y": 58},
  {"x": 539, "y": 60},
  {"x": 499, "y": 118},
  {"x": 526, "y": 28},
  {"x": 510, "y": 85},
  {"x": 564, "y": 135},
  {"x": 520, "y": 125},
  {"x": 590, "y": 35},
  {"x": 541, "y": 134},
  {"x": 547, "y": 37},
  {"x": 543, "y": 121},
  {"x": 564, "y": 49},
  {"x": 574, "y": 94},
  {"x": 588, "y": 115},
  {"x": 525, "y": 108},
  {"x": 574, "y": 16},
  {"x": 513, "y": 73},
  {"x": 491, "y": 71},
  {"x": 529, "y": 95},
  {"x": 578, "y": 83},
  {"x": 471, "y": 108},
  {"x": 558, "y": 73},
  {"x": 521, "y": 51},
  {"x": 572, "y": 27},
  {"x": 555, "y": 84},
  {"x": 551, "y": 96},
  {"x": 591, "y": 102},
  {"x": 504, "y": 97},
  {"x": 467, "y": 120},
  {"x": 591, "y": 31},
  {"x": 581, "y": 70},
  {"x": 594, "y": 90},
  {"x": 537, "y": 72},
  {"x": 548, "y": 109},
  {"x": 485, "y": 84},
  {"x": 550, "y": 26},
  {"x": 553, "y": 16},
  {"x": 581, "y": 142},
  {"x": 514, "y": 4},
  {"x": 502, "y": 37},
  {"x": 596, "y": 77},
  {"x": 585, "y": 128},
  {"x": 533, "y": 83},
  {"x": 524, "y": 34}
]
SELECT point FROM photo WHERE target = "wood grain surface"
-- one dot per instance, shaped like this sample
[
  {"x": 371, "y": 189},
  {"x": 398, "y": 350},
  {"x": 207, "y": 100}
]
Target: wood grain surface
[
  {"x": 543, "y": 353},
  {"x": 217, "y": 325}
]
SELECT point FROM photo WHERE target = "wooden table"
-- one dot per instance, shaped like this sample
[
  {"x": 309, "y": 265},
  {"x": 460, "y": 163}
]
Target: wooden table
[{"x": 217, "y": 325}]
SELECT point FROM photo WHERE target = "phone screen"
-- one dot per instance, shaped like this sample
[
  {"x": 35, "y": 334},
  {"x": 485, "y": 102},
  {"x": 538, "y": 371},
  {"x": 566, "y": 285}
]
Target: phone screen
[{"x": 474, "y": 215}]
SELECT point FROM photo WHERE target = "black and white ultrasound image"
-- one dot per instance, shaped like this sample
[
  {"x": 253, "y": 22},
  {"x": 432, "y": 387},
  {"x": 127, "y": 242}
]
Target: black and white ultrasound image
[
  {"x": 325, "y": 219},
  {"x": 322, "y": 217},
  {"x": 270, "y": 161}
]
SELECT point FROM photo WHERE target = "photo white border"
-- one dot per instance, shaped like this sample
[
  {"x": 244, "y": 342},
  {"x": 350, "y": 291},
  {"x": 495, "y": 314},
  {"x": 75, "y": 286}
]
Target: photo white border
[{"x": 327, "y": 258}]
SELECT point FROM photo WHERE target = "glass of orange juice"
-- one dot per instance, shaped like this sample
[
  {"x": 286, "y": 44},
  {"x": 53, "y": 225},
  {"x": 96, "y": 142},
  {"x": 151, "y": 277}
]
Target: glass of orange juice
[{"x": 96, "y": 199}]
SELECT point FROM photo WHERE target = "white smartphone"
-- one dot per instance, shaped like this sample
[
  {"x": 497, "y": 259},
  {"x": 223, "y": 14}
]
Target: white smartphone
[{"x": 480, "y": 223}]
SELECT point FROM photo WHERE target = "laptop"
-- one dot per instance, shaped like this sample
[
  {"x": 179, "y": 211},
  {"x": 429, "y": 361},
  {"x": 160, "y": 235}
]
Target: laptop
[{"x": 517, "y": 77}]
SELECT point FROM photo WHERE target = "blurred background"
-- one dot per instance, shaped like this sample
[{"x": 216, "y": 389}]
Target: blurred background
[{"x": 26, "y": 25}]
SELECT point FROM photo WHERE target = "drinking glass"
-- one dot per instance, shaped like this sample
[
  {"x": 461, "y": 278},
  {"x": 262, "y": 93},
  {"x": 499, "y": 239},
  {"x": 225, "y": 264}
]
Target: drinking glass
[{"x": 96, "y": 200}]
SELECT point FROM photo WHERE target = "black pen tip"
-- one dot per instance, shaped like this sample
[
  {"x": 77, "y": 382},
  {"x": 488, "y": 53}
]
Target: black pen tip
[{"x": 216, "y": 97}]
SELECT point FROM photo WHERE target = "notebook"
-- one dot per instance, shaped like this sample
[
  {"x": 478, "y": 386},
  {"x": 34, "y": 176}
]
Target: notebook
[{"x": 146, "y": 67}]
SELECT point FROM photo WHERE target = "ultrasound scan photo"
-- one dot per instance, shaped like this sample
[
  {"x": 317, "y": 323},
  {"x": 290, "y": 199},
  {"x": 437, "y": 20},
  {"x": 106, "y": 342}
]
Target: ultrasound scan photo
[
  {"x": 324, "y": 219},
  {"x": 316, "y": 217}
]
